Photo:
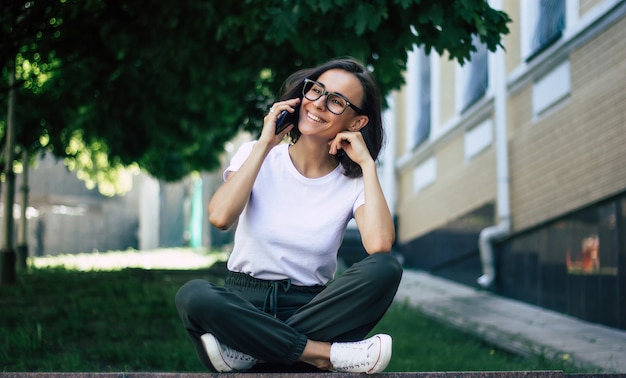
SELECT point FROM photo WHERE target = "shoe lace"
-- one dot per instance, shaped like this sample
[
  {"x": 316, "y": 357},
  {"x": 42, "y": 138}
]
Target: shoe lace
[
  {"x": 353, "y": 355},
  {"x": 234, "y": 354}
]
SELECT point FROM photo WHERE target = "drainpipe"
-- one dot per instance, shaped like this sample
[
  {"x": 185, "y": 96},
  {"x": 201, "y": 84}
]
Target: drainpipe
[{"x": 490, "y": 234}]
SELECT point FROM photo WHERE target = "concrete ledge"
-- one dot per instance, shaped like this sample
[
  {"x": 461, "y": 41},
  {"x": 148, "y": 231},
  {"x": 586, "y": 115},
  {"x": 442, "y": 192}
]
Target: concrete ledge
[{"x": 491, "y": 374}]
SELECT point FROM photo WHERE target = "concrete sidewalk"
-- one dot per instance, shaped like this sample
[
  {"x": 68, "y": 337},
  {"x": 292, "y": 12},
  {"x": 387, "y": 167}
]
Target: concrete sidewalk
[{"x": 515, "y": 326}]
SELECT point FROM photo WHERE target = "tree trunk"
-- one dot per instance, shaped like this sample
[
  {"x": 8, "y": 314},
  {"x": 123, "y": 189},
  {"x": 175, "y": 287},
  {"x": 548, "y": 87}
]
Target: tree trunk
[
  {"x": 7, "y": 253},
  {"x": 22, "y": 240}
]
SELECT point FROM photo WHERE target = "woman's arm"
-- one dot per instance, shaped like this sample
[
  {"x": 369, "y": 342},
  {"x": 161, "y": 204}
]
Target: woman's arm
[
  {"x": 373, "y": 218},
  {"x": 230, "y": 199}
]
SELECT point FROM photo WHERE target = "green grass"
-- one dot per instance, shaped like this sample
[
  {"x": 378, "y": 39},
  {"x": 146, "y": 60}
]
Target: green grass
[
  {"x": 423, "y": 344},
  {"x": 61, "y": 319}
]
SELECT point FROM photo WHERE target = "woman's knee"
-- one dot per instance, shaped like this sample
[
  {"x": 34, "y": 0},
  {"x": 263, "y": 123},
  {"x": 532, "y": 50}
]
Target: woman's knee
[
  {"x": 194, "y": 297},
  {"x": 383, "y": 267},
  {"x": 187, "y": 292}
]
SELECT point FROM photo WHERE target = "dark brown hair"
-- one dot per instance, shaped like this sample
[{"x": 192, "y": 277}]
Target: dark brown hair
[{"x": 371, "y": 106}]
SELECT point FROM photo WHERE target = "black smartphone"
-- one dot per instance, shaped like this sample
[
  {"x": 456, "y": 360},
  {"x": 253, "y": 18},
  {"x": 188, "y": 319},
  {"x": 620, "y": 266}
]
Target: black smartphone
[{"x": 285, "y": 119}]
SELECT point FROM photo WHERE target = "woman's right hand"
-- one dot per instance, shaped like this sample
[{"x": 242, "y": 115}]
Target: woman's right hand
[
  {"x": 268, "y": 134},
  {"x": 230, "y": 199}
]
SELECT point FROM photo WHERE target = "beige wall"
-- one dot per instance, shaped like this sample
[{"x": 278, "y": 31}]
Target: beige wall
[
  {"x": 511, "y": 41},
  {"x": 448, "y": 76},
  {"x": 577, "y": 154},
  {"x": 570, "y": 157},
  {"x": 460, "y": 187},
  {"x": 401, "y": 129},
  {"x": 586, "y": 5}
]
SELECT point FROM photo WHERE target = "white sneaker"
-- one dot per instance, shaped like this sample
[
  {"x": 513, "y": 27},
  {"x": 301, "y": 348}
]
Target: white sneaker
[
  {"x": 368, "y": 356},
  {"x": 224, "y": 358}
]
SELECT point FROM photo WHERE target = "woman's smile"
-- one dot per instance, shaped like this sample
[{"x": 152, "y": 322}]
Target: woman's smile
[{"x": 314, "y": 118}]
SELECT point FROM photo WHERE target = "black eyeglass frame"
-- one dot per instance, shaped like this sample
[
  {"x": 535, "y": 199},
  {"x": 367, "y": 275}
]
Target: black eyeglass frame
[{"x": 326, "y": 93}]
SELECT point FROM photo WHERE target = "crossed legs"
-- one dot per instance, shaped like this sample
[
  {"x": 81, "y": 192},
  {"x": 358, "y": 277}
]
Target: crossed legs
[{"x": 346, "y": 310}]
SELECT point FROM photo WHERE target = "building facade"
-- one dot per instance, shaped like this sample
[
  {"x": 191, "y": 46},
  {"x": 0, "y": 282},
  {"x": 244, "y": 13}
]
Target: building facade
[
  {"x": 510, "y": 170},
  {"x": 64, "y": 217}
]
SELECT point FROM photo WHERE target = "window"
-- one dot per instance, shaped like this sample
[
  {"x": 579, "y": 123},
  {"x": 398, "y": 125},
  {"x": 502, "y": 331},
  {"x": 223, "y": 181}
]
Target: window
[
  {"x": 475, "y": 74},
  {"x": 424, "y": 174},
  {"x": 550, "y": 24},
  {"x": 478, "y": 138},
  {"x": 422, "y": 131},
  {"x": 418, "y": 89},
  {"x": 551, "y": 89}
]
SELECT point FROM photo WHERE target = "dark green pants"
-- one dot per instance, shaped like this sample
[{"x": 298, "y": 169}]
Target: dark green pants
[{"x": 272, "y": 320}]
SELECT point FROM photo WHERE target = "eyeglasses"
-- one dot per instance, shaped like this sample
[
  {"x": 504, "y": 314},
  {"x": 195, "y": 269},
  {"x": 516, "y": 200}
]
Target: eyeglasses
[{"x": 334, "y": 102}]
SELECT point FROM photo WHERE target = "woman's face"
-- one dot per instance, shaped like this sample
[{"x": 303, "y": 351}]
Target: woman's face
[{"x": 317, "y": 120}]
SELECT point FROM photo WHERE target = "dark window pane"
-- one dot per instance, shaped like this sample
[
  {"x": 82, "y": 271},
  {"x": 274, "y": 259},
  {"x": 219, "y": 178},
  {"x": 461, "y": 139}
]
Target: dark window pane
[
  {"x": 479, "y": 79},
  {"x": 423, "y": 123},
  {"x": 550, "y": 25},
  {"x": 570, "y": 265}
]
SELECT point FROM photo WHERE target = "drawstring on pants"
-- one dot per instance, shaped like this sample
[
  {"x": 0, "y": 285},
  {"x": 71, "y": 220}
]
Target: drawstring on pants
[
  {"x": 270, "y": 288},
  {"x": 271, "y": 294}
]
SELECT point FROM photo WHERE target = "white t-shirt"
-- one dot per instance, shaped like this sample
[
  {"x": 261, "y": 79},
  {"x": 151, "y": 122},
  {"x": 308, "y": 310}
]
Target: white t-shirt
[{"x": 292, "y": 226}]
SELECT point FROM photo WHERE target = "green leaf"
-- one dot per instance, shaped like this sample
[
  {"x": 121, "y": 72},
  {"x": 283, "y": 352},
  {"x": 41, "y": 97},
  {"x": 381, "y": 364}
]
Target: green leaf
[{"x": 164, "y": 87}]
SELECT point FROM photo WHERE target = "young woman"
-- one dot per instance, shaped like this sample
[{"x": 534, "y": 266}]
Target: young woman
[{"x": 282, "y": 303}]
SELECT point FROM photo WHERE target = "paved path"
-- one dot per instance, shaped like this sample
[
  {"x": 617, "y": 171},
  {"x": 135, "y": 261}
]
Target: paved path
[{"x": 513, "y": 325}]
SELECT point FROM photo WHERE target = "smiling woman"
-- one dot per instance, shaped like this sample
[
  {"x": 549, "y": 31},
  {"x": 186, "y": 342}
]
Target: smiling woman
[
  {"x": 292, "y": 204},
  {"x": 359, "y": 89}
]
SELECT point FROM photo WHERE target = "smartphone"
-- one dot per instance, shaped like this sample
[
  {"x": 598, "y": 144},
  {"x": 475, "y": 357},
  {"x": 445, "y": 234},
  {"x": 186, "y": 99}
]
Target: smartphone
[{"x": 285, "y": 119}]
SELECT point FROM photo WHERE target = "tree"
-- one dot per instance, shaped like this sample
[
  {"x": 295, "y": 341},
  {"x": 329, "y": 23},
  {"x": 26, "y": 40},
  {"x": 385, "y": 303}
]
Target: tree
[{"x": 165, "y": 85}]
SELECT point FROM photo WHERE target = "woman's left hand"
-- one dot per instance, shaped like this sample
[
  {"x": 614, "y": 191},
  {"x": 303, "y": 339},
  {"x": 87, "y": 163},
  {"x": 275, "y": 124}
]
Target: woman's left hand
[{"x": 353, "y": 144}]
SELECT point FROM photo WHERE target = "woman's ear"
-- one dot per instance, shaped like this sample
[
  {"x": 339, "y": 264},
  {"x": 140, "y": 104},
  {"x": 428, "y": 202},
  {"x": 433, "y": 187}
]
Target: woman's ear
[{"x": 358, "y": 123}]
